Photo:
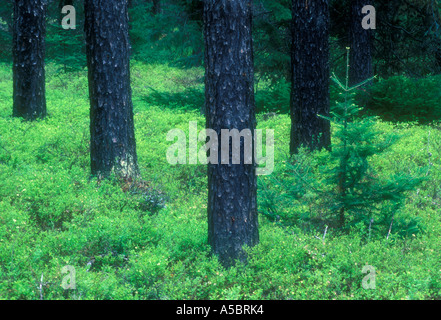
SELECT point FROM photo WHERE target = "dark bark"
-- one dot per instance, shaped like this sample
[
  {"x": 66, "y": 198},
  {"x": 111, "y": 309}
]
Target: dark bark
[
  {"x": 432, "y": 18},
  {"x": 310, "y": 76},
  {"x": 29, "y": 31},
  {"x": 360, "y": 57},
  {"x": 113, "y": 145},
  {"x": 156, "y": 6},
  {"x": 229, "y": 99}
]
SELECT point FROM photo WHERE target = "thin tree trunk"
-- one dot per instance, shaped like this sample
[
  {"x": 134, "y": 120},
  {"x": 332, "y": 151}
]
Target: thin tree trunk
[
  {"x": 29, "y": 29},
  {"x": 310, "y": 77},
  {"x": 113, "y": 145},
  {"x": 229, "y": 99}
]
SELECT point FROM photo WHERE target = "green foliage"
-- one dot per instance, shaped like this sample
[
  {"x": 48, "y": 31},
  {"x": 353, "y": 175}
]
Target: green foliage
[
  {"x": 342, "y": 188},
  {"x": 170, "y": 36},
  {"x": 404, "y": 99},
  {"x": 291, "y": 195},
  {"x": 360, "y": 195},
  {"x": 272, "y": 38},
  {"x": 6, "y": 16},
  {"x": 66, "y": 48},
  {"x": 147, "y": 240},
  {"x": 124, "y": 246},
  {"x": 273, "y": 97}
]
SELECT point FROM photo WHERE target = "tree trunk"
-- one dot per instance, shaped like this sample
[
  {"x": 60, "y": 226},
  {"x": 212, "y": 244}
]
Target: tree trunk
[
  {"x": 113, "y": 145},
  {"x": 156, "y": 6},
  {"x": 310, "y": 76},
  {"x": 29, "y": 52},
  {"x": 360, "y": 56},
  {"x": 229, "y": 100}
]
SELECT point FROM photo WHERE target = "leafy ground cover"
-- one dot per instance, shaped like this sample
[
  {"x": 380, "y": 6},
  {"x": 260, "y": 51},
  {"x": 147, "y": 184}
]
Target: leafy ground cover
[{"x": 149, "y": 240}]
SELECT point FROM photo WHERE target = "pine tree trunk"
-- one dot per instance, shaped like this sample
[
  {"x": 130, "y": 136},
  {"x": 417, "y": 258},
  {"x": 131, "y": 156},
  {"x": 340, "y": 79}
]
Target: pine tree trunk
[
  {"x": 113, "y": 145},
  {"x": 360, "y": 57},
  {"x": 310, "y": 76},
  {"x": 229, "y": 99},
  {"x": 29, "y": 30}
]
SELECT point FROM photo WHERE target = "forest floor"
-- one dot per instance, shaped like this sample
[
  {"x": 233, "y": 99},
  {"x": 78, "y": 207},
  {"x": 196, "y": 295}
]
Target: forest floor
[{"x": 149, "y": 241}]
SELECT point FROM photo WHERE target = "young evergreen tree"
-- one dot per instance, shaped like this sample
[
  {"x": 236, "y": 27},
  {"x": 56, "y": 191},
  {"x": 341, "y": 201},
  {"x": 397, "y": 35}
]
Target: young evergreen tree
[
  {"x": 29, "y": 28},
  {"x": 229, "y": 100},
  {"x": 113, "y": 145},
  {"x": 360, "y": 194},
  {"x": 310, "y": 75}
]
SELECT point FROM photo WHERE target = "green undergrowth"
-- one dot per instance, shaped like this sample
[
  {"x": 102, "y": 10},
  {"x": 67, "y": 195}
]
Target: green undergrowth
[{"x": 149, "y": 240}]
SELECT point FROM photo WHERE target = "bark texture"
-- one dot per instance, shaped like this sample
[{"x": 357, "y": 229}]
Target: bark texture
[
  {"x": 229, "y": 103},
  {"x": 310, "y": 75},
  {"x": 112, "y": 134},
  {"x": 29, "y": 29},
  {"x": 360, "y": 56}
]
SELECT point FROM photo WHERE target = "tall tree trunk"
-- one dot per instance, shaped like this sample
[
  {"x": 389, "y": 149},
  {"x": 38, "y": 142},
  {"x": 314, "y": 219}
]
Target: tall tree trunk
[
  {"x": 360, "y": 56},
  {"x": 310, "y": 76},
  {"x": 113, "y": 145},
  {"x": 229, "y": 99},
  {"x": 29, "y": 31}
]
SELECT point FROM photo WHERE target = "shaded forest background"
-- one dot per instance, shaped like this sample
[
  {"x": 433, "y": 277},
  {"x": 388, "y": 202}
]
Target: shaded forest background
[{"x": 407, "y": 43}]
